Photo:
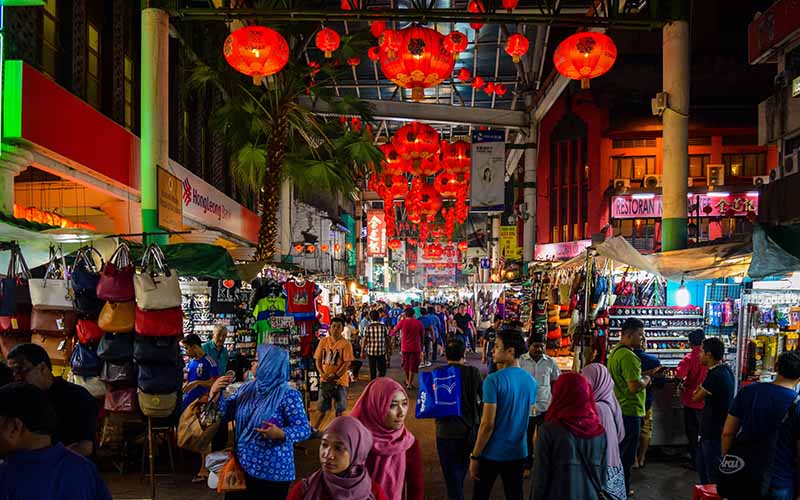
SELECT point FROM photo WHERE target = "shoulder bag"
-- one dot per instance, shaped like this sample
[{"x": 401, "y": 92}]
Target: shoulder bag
[
  {"x": 156, "y": 350},
  {"x": 159, "y": 323},
  {"x": 117, "y": 317},
  {"x": 159, "y": 379},
  {"x": 157, "y": 405},
  {"x": 116, "y": 280},
  {"x": 15, "y": 296},
  {"x": 59, "y": 323},
  {"x": 121, "y": 400},
  {"x": 88, "y": 332},
  {"x": 439, "y": 393},
  {"x": 115, "y": 347},
  {"x": 591, "y": 473},
  {"x": 195, "y": 430},
  {"x": 53, "y": 292},
  {"x": 95, "y": 386},
  {"x": 85, "y": 277},
  {"x": 84, "y": 361},
  {"x": 59, "y": 349},
  {"x": 156, "y": 285},
  {"x": 121, "y": 373}
]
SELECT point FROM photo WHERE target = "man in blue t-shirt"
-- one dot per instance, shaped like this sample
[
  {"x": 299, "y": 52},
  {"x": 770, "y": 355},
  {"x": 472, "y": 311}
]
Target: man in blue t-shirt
[
  {"x": 509, "y": 396},
  {"x": 202, "y": 370},
  {"x": 32, "y": 468},
  {"x": 429, "y": 323},
  {"x": 758, "y": 409}
]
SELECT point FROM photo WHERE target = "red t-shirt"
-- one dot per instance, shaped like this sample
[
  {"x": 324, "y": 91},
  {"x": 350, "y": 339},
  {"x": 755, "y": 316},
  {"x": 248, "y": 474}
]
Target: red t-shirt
[
  {"x": 297, "y": 492},
  {"x": 411, "y": 335},
  {"x": 300, "y": 300}
]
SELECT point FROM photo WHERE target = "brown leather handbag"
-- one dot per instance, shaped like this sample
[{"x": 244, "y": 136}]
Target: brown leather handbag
[
  {"x": 8, "y": 342},
  {"x": 53, "y": 322},
  {"x": 117, "y": 317},
  {"x": 59, "y": 349}
]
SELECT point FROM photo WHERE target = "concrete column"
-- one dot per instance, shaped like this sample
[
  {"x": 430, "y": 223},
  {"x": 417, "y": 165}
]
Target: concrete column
[
  {"x": 676, "y": 135},
  {"x": 529, "y": 229},
  {"x": 286, "y": 220},
  {"x": 154, "y": 150},
  {"x": 13, "y": 161}
]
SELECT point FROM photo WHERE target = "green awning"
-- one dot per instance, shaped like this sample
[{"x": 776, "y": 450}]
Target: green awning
[{"x": 197, "y": 260}]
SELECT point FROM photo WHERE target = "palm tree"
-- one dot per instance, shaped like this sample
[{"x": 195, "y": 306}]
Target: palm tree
[{"x": 273, "y": 137}]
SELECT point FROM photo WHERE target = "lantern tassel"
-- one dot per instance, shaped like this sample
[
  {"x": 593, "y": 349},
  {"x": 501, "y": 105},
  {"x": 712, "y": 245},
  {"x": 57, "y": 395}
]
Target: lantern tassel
[
  {"x": 328, "y": 54},
  {"x": 585, "y": 84},
  {"x": 257, "y": 80},
  {"x": 417, "y": 94}
]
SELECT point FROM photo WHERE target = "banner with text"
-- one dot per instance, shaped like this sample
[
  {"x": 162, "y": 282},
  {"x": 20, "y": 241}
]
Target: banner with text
[
  {"x": 488, "y": 171},
  {"x": 509, "y": 243},
  {"x": 702, "y": 205},
  {"x": 376, "y": 233}
]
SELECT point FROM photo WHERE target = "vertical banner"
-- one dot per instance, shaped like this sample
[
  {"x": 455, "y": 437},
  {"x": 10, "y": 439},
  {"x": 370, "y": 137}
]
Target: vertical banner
[
  {"x": 488, "y": 171},
  {"x": 509, "y": 244},
  {"x": 376, "y": 233}
]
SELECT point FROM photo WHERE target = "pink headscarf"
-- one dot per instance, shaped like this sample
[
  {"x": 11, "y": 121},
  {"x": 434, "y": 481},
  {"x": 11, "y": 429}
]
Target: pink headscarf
[
  {"x": 354, "y": 483},
  {"x": 387, "y": 461}
]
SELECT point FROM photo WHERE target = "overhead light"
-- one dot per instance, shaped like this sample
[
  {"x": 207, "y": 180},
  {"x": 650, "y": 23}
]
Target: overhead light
[
  {"x": 718, "y": 194},
  {"x": 752, "y": 193},
  {"x": 683, "y": 297},
  {"x": 643, "y": 196}
]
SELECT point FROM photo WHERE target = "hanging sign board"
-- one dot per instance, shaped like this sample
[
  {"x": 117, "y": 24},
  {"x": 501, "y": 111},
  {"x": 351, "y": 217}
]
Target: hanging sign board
[
  {"x": 509, "y": 244},
  {"x": 488, "y": 171},
  {"x": 170, "y": 204},
  {"x": 376, "y": 233},
  {"x": 702, "y": 205}
]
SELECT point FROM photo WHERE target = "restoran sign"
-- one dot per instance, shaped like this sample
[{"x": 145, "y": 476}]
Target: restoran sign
[
  {"x": 703, "y": 205},
  {"x": 560, "y": 251}
]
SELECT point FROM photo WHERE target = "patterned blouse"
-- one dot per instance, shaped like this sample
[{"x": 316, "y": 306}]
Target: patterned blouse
[{"x": 265, "y": 458}]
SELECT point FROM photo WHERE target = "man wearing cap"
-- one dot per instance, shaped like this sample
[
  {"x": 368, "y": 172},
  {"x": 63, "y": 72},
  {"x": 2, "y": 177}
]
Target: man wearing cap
[
  {"x": 32, "y": 467},
  {"x": 692, "y": 372},
  {"x": 545, "y": 371}
]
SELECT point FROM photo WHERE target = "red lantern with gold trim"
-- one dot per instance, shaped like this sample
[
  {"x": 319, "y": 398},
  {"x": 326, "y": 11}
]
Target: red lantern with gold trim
[
  {"x": 419, "y": 61},
  {"x": 377, "y": 28},
  {"x": 456, "y": 156},
  {"x": 427, "y": 166},
  {"x": 586, "y": 55},
  {"x": 396, "y": 186},
  {"x": 463, "y": 246},
  {"x": 415, "y": 142},
  {"x": 516, "y": 46},
  {"x": 464, "y": 75},
  {"x": 393, "y": 164},
  {"x": 374, "y": 53},
  {"x": 477, "y": 83},
  {"x": 475, "y": 7},
  {"x": 500, "y": 89},
  {"x": 489, "y": 88},
  {"x": 256, "y": 51},
  {"x": 510, "y": 5},
  {"x": 394, "y": 244},
  {"x": 327, "y": 40},
  {"x": 456, "y": 43},
  {"x": 431, "y": 201}
]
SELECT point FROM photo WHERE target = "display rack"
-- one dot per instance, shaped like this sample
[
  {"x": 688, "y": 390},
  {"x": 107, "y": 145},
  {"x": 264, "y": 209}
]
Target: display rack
[
  {"x": 666, "y": 328},
  {"x": 718, "y": 297}
]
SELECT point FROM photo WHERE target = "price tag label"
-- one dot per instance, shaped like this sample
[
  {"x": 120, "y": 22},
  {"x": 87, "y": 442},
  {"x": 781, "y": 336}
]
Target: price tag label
[
  {"x": 14, "y": 323},
  {"x": 281, "y": 322},
  {"x": 60, "y": 324}
]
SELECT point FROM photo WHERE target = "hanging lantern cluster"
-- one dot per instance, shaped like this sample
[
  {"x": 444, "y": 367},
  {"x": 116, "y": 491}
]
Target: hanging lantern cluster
[
  {"x": 583, "y": 56},
  {"x": 256, "y": 51}
]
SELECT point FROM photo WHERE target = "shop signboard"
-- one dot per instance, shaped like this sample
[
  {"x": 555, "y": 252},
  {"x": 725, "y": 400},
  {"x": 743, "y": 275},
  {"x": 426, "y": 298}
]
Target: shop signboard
[
  {"x": 509, "y": 243},
  {"x": 488, "y": 171},
  {"x": 561, "y": 251},
  {"x": 170, "y": 203},
  {"x": 710, "y": 205},
  {"x": 376, "y": 233},
  {"x": 422, "y": 258},
  {"x": 771, "y": 29},
  {"x": 441, "y": 277}
]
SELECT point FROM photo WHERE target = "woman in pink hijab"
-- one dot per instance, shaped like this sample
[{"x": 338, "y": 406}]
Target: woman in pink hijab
[
  {"x": 395, "y": 460},
  {"x": 343, "y": 475}
]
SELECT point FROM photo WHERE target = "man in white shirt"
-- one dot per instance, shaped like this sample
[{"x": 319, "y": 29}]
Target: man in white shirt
[{"x": 545, "y": 371}]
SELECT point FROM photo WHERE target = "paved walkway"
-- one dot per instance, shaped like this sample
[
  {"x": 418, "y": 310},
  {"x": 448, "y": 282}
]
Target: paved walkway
[{"x": 662, "y": 479}]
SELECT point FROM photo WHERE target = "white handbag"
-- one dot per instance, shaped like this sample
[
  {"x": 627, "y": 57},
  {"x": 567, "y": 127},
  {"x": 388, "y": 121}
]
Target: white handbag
[
  {"x": 95, "y": 386},
  {"x": 157, "y": 286},
  {"x": 54, "y": 291}
]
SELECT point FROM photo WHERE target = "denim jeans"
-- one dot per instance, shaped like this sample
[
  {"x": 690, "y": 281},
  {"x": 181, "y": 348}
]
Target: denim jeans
[
  {"x": 781, "y": 494},
  {"x": 377, "y": 366},
  {"x": 454, "y": 458},
  {"x": 511, "y": 472},
  {"x": 629, "y": 446},
  {"x": 709, "y": 455}
]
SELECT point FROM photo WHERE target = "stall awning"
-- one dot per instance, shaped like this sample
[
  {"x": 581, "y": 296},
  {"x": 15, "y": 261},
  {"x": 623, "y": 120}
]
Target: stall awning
[
  {"x": 618, "y": 250},
  {"x": 199, "y": 260},
  {"x": 776, "y": 251}
]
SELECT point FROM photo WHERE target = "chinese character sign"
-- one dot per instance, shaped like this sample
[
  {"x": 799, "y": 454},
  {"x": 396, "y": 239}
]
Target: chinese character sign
[{"x": 376, "y": 233}]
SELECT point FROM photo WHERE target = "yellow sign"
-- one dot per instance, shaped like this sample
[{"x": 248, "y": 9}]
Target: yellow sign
[
  {"x": 170, "y": 206},
  {"x": 509, "y": 245}
]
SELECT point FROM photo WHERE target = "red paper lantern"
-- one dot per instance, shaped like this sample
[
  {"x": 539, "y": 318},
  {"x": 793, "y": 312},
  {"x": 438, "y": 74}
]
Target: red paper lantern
[
  {"x": 354, "y": 61},
  {"x": 298, "y": 248},
  {"x": 431, "y": 201},
  {"x": 396, "y": 186},
  {"x": 393, "y": 163},
  {"x": 374, "y": 53},
  {"x": 377, "y": 28},
  {"x": 456, "y": 43},
  {"x": 310, "y": 249},
  {"x": 586, "y": 55},
  {"x": 355, "y": 124},
  {"x": 256, "y": 51},
  {"x": 416, "y": 141},
  {"x": 477, "y": 83},
  {"x": 327, "y": 41},
  {"x": 516, "y": 46},
  {"x": 510, "y": 5},
  {"x": 426, "y": 167},
  {"x": 337, "y": 247},
  {"x": 464, "y": 75},
  {"x": 394, "y": 244},
  {"x": 414, "y": 218},
  {"x": 500, "y": 89},
  {"x": 448, "y": 184},
  {"x": 324, "y": 248},
  {"x": 456, "y": 156},
  {"x": 463, "y": 246},
  {"x": 412, "y": 266},
  {"x": 419, "y": 61},
  {"x": 489, "y": 88},
  {"x": 476, "y": 7}
]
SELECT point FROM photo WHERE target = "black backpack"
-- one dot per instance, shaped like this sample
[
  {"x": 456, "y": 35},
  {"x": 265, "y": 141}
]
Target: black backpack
[{"x": 746, "y": 470}]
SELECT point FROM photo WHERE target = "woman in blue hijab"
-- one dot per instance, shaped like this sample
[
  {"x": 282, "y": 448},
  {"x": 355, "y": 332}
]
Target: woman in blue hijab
[{"x": 270, "y": 417}]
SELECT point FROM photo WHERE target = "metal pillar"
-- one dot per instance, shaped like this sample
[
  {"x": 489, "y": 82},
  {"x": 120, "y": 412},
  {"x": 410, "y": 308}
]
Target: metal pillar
[
  {"x": 286, "y": 220},
  {"x": 529, "y": 229},
  {"x": 154, "y": 149},
  {"x": 495, "y": 239},
  {"x": 676, "y": 135}
]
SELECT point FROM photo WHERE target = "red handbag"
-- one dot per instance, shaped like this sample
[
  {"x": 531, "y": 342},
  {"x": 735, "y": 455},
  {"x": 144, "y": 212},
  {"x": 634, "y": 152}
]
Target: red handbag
[
  {"x": 159, "y": 323},
  {"x": 116, "y": 280},
  {"x": 122, "y": 400},
  {"x": 88, "y": 331},
  {"x": 17, "y": 323}
]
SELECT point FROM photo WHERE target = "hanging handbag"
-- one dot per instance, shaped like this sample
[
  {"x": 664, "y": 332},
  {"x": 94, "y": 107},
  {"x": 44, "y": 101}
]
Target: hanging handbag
[
  {"x": 89, "y": 332},
  {"x": 157, "y": 405},
  {"x": 15, "y": 295},
  {"x": 195, "y": 433},
  {"x": 10, "y": 341},
  {"x": 87, "y": 305},
  {"x": 121, "y": 400},
  {"x": 156, "y": 285},
  {"x": 116, "y": 280},
  {"x": 161, "y": 323},
  {"x": 159, "y": 379},
  {"x": 53, "y": 322},
  {"x": 85, "y": 275},
  {"x": 84, "y": 361},
  {"x": 59, "y": 349},
  {"x": 54, "y": 291},
  {"x": 115, "y": 347},
  {"x": 95, "y": 386},
  {"x": 18, "y": 323},
  {"x": 156, "y": 350},
  {"x": 117, "y": 317},
  {"x": 119, "y": 373}
]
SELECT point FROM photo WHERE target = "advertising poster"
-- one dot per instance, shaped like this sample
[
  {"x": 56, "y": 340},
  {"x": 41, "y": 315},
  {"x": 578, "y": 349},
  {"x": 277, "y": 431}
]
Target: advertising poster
[{"x": 488, "y": 171}]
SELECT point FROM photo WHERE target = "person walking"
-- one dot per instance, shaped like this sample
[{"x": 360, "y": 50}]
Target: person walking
[
  {"x": 716, "y": 392},
  {"x": 270, "y": 417},
  {"x": 611, "y": 417},
  {"x": 333, "y": 357},
  {"x": 373, "y": 346},
  {"x": 395, "y": 460},
  {"x": 571, "y": 458},
  {"x": 629, "y": 388},
  {"x": 428, "y": 336},
  {"x": 411, "y": 333},
  {"x": 692, "y": 372},
  {"x": 465, "y": 326},
  {"x": 545, "y": 372},
  {"x": 455, "y": 436},
  {"x": 760, "y": 409},
  {"x": 488, "y": 346},
  {"x": 509, "y": 396},
  {"x": 343, "y": 474},
  {"x": 215, "y": 347}
]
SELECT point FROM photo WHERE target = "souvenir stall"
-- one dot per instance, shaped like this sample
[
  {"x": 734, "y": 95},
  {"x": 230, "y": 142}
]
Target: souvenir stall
[{"x": 489, "y": 301}]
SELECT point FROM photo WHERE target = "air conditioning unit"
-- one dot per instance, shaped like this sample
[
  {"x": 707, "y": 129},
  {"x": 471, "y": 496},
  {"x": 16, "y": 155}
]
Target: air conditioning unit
[
  {"x": 652, "y": 181},
  {"x": 790, "y": 166},
  {"x": 775, "y": 174},
  {"x": 715, "y": 176},
  {"x": 760, "y": 180},
  {"x": 622, "y": 184}
]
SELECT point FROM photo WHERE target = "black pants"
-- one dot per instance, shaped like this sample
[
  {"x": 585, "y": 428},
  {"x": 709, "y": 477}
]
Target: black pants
[
  {"x": 691, "y": 424},
  {"x": 377, "y": 366},
  {"x": 259, "y": 489},
  {"x": 511, "y": 472},
  {"x": 533, "y": 424}
]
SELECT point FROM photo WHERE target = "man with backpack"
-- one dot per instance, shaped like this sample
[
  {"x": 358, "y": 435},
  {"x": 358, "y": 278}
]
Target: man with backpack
[{"x": 763, "y": 431}]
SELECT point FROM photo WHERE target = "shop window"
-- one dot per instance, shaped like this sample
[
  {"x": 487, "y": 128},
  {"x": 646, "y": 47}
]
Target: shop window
[
  {"x": 634, "y": 167},
  {"x": 633, "y": 143},
  {"x": 745, "y": 164},
  {"x": 740, "y": 140},
  {"x": 698, "y": 164},
  {"x": 128, "y": 81},
  {"x": 699, "y": 141},
  {"x": 50, "y": 43},
  {"x": 554, "y": 236},
  {"x": 93, "y": 66}
]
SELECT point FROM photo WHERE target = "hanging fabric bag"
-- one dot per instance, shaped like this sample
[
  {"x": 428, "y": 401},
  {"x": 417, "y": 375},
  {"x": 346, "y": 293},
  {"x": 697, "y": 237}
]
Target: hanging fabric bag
[
  {"x": 156, "y": 285},
  {"x": 156, "y": 350},
  {"x": 54, "y": 291},
  {"x": 115, "y": 347},
  {"x": 15, "y": 296},
  {"x": 117, "y": 317},
  {"x": 84, "y": 361},
  {"x": 85, "y": 277},
  {"x": 88, "y": 332},
  {"x": 157, "y": 405},
  {"x": 116, "y": 281},
  {"x": 160, "y": 323},
  {"x": 59, "y": 349}
]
